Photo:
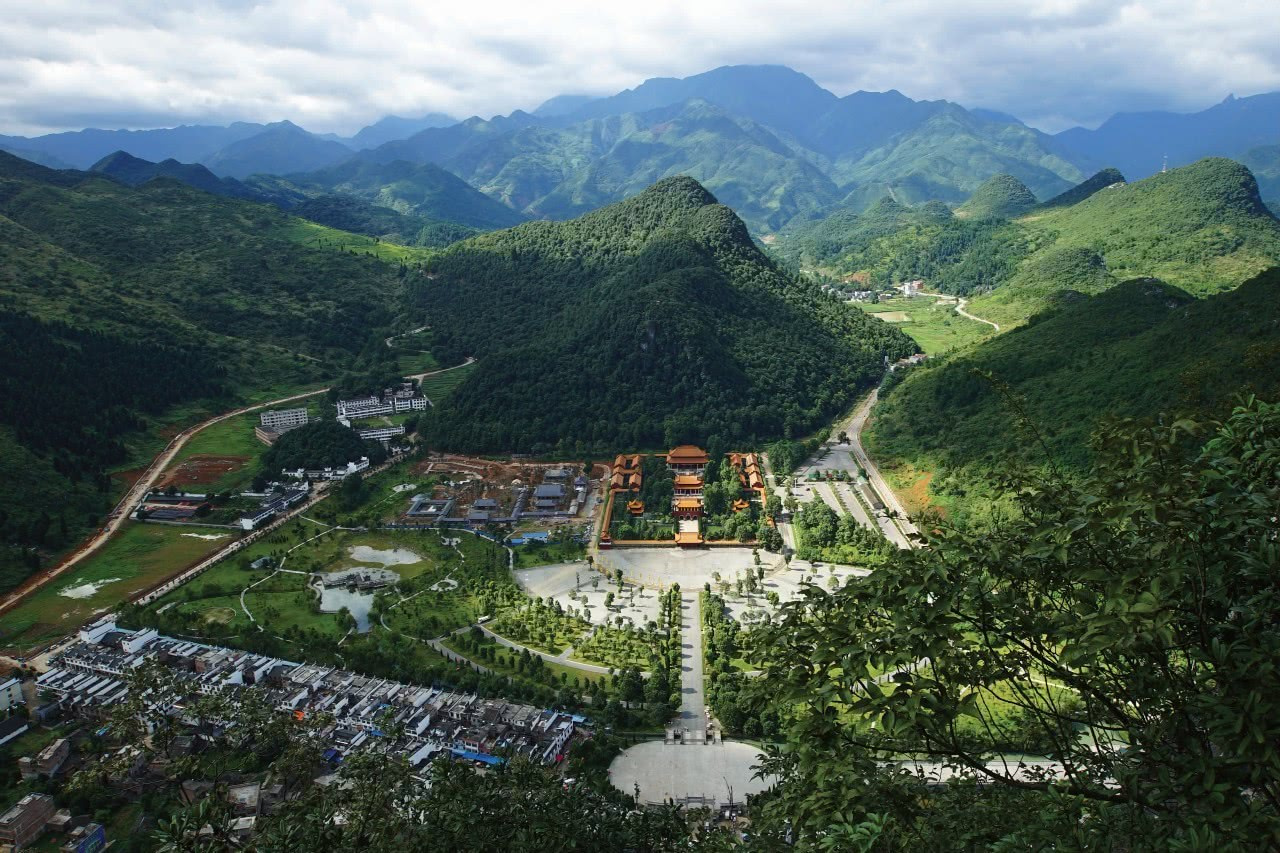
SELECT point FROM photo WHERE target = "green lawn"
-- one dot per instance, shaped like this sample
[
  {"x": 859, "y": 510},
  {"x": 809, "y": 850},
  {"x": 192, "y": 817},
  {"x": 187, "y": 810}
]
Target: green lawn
[
  {"x": 321, "y": 236},
  {"x": 935, "y": 326},
  {"x": 136, "y": 558},
  {"x": 538, "y": 554},
  {"x": 438, "y": 386},
  {"x": 282, "y": 600}
]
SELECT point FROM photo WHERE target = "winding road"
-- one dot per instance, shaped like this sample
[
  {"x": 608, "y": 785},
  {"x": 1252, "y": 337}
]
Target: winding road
[{"x": 137, "y": 491}]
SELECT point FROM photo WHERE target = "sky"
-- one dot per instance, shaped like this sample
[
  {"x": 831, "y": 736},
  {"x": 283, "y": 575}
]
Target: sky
[{"x": 336, "y": 65}]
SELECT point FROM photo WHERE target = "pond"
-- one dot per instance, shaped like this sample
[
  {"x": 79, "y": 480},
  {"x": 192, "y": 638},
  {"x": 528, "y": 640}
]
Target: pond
[
  {"x": 383, "y": 556},
  {"x": 334, "y": 598}
]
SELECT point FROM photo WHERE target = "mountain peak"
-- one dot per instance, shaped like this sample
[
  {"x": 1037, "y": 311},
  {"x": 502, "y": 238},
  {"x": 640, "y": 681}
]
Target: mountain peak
[
  {"x": 999, "y": 197},
  {"x": 1100, "y": 181},
  {"x": 682, "y": 191}
]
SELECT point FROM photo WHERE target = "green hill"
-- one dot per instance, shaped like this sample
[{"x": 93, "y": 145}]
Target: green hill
[
  {"x": 948, "y": 156},
  {"x": 348, "y": 213},
  {"x": 1202, "y": 227},
  {"x": 1137, "y": 350},
  {"x": 134, "y": 171},
  {"x": 118, "y": 303},
  {"x": 652, "y": 321},
  {"x": 999, "y": 197},
  {"x": 1084, "y": 189},
  {"x": 280, "y": 149}
]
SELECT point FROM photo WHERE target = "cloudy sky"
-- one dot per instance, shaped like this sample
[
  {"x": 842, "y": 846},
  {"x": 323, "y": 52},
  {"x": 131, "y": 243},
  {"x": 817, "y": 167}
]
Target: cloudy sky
[{"x": 335, "y": 65}]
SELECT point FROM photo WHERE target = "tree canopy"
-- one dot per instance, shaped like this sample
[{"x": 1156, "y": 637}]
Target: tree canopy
[{"x": 1122, "y": 626}]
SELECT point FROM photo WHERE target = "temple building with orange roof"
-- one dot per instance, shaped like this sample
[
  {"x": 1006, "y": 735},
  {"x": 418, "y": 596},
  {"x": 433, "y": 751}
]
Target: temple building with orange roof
[
  {"x": 687, "y": 459},
  {"x": 626, "y": 474},
  {"x": 688, "y": 508},
  {"x": 688, "y": 485}
]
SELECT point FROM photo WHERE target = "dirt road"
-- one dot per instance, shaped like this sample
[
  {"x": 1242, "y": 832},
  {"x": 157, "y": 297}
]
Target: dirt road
[{"x": 136, "y": 492}]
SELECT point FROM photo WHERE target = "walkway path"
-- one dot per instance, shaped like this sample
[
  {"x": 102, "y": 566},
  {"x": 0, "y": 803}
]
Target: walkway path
[
  {"x": 421, "y": 376},
  {"x": 137, "y": 491},
  {"x": 693, "y": 701},
  {"x": 547, "y": 656},
  {"x": 960, "y": 303},
  {"x": 963, "y": 313}
]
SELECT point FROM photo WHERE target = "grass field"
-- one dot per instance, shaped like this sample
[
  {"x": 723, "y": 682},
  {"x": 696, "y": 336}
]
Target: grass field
[
  {"x": 438, "y": 386},
  {"x": 210, "y": 604},
  {"x": 136, "y": 558},
  {"x": 322, "y": 237},
  {"x": 936, "y": 327}
]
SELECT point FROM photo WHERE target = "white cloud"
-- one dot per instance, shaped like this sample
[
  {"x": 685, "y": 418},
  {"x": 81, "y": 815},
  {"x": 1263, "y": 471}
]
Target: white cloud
[{"x": 333, "y": 65}]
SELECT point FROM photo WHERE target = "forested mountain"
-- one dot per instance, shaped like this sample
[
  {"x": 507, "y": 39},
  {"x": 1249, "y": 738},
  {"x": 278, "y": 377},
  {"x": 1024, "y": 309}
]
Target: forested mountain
[
  {"x": 117, "y": 302},
  {"x": 769, "y": 141},
  {"x": 1105, "y": 178},
  {"x": 1202, "y": 227},
  {"x": 133, "y": 171},
  {"x": 390, "y": 128},
  {"x": 1138, "y": 143},
  {"x": 1264, "y": 162},
  {"x": 649, "y": 322},
  {"x": 281, "y": 149},
  {"x": 1139, "y": 349},
  {"x": 423, "y": 190},
  {"x": 999, "y": 197},
  {"x": 188, "y": 143},
  {"x": 80, "y": 149}
]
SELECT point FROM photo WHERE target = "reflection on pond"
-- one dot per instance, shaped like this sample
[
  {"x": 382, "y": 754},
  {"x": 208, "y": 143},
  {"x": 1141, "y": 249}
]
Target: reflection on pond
[
  {"x": 334, "y": 598},
  {"x": 383, "y": 556}
]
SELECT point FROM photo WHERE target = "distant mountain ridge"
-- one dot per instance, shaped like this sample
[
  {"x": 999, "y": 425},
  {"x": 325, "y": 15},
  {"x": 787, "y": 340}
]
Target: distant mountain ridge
[
  {"x": 1139, "y": 144},
  {"x": 766, "y": 138}
]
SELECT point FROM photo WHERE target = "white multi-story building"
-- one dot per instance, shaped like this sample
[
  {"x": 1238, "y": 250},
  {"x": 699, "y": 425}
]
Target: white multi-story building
[
  {"x": 283, "y": 420},
  {"x": 408, "y": 404},
  {"x": 391, "y": 402},
  {"x": 10, "y": 695},
  {"x": 364, "y": 407},
  {"x": 380, "y": 433}
]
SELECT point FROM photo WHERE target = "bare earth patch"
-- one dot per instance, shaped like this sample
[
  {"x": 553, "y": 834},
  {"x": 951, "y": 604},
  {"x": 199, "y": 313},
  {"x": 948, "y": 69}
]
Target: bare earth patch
[{"x": 202, "y": 469}]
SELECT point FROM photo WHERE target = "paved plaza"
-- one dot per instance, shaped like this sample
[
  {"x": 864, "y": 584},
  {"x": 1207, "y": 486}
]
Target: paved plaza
[
  {"x": 689, "y": 567},
  {"x": 678, "y": 772},
  {"x": 555, "y": 583}
]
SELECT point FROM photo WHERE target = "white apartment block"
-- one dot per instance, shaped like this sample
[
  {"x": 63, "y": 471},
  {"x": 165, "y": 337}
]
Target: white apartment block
[
  {"x": 10, "y": 695},
  {"x": 380, "y": 433},
  {"x": 283, "y": 420},
  {"x": 364, "y": 407}
]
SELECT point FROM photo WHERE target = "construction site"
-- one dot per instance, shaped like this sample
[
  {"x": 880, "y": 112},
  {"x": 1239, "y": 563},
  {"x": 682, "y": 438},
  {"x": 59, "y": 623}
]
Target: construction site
[{"x": 477, "y": 492}]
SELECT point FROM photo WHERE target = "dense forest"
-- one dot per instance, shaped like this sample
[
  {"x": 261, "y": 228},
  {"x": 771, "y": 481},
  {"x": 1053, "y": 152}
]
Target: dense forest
[
  {"x": 322, "y": 443},
  {"x": 1033, "y": 396},
  {"x": 68, "y": 396},
  {"x": 348, "y": 213},
  {"x": 116, "y": 303},
  {"x": 644, "y": 324}
]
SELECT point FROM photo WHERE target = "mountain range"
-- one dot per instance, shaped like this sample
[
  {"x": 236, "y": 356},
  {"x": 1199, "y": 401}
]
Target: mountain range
[
  {"x": 1201, "y": 227},
  {"x": 767, "y": 140}
]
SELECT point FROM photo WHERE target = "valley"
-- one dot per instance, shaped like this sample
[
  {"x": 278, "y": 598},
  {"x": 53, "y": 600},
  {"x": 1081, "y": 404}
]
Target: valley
[{"x": 718, "y": 460}]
